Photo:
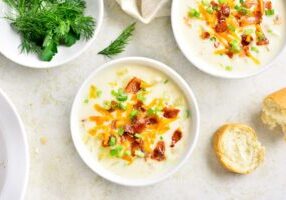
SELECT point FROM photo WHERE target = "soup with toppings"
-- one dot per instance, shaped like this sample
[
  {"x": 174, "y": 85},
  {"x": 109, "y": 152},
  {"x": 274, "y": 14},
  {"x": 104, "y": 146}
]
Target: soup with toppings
[
  {"x": 233, "y": 35},
  {"x": 135, "y": 121}
]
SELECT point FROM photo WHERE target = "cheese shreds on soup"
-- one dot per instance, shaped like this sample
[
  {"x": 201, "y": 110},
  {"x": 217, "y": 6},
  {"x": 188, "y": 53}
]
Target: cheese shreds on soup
[{"x": 135, "y": 121}]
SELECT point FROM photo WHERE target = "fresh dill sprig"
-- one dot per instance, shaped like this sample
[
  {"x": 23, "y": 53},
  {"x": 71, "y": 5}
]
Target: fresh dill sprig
[
  {"x": 120, "y": 43},
  {"x": 46, "y": 24}
]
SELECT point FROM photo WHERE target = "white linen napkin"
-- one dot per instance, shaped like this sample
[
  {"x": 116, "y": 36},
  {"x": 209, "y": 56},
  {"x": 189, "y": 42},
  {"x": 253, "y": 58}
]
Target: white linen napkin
[{"x": 145, "y": 10}]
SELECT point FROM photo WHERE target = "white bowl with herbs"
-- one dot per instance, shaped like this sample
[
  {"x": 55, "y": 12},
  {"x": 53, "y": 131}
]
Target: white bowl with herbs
[{"x": 46, "y": 34}]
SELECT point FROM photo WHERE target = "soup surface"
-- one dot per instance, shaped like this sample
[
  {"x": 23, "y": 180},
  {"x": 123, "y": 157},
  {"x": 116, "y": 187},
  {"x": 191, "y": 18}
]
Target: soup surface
[{"x": 135, "y": 121}]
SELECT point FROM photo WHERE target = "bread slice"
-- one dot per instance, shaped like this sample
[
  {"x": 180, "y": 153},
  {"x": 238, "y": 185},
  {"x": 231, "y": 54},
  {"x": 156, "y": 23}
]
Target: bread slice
[
  {"x": 237, "y": 148},
  {"x": 274, "y": 110}
]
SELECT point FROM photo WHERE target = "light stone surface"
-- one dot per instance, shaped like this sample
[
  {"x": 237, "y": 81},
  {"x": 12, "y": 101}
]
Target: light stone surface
[{"x": 44, "y": 98}]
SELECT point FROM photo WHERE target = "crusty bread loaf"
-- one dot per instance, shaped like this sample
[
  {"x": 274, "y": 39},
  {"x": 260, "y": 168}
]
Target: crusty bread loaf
[
  {"x": 274, "y": 110},
  {"x": 237, "y": 148}
]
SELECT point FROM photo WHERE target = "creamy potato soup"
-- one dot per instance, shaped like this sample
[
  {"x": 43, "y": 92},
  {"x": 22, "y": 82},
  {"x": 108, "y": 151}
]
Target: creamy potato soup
[
  {"x": 135, "y": 121},
  {"x": 234, "y": 35}
]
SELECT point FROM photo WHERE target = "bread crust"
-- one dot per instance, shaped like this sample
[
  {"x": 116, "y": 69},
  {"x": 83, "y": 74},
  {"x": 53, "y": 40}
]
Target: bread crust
[
  {"x": 217, "y": 145},
  {"x": 278, "y": 97}
]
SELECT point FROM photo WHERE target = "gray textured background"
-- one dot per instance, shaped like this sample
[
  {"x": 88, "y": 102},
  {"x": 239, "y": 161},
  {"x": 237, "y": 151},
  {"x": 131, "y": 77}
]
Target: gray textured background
[{"x": 44, "y": 97}]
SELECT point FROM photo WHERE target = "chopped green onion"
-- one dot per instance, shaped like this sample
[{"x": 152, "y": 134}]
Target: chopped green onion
[
  {"x": 86, "y": 101},
  {"x": 269, "y": 12},
  {"x": 106, "y": 105},
  {"x": 133, "y": 113},
  {"x": 166, "y": 81},
  {"x": 228, "y": 68},
  {"x": 127, "y": 153},
  {"x": 235, "y": 46},
  {"x": 222, "y": 1},
  {"x": 210, "y": 10},
  {"x": 241, "y": 1},
  {"x": 187, "y": 114},
  {"x": 112, "y": 141},
  {"x": 116, "y": 151},
  {"x": 153, "y": 111},
  {"x": 255, "y": 49},
  {"x": 241, "y": 9},
  {"x": 161, "y": 137},
  {"x": 194, "y": 13},
  {"x": 231, "y": 28},
  {"x": 213, "y": 39},
  {"x": 249, "y": 31},
  {"x": 121, "y": 106},
  {"x": 98, "y": 93},
  {"x": 119, "y": 95},
  {"x": 140, "y": 96},
  {"x": 139, "y": 153},
  {"x": 120, "y": 131},
  {"x": 205, "y": 2}
]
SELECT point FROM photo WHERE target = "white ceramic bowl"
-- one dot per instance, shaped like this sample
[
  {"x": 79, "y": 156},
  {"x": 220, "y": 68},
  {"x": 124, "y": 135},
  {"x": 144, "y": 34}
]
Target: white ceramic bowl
[
  {"x": 10, "y": 40},
  {"x": 14, "y": 154},
  {"x": 176, "y": 15},
  {"x": 89, "y": 159}
]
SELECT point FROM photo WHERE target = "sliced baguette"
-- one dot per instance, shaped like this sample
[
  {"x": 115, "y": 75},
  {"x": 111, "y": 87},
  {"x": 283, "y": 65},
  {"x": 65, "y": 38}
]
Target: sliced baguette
[
  {"x": 238, "y": 149},
  {"x": 274, "y": 110}
]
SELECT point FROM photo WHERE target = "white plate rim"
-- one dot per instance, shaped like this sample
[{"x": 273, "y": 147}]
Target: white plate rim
[
  {"x": 195, "y": 115},
  {"x": 25, "y": 153}
]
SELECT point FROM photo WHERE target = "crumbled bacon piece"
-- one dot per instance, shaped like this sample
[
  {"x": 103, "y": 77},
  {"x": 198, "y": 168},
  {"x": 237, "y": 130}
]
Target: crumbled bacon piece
[
  {"x": 229, "y": 54},
  {"x": 151, "y": 120},
  {"x": 113, "y": 106},
  {"x": 139, "y": 125},
  {"x": 139, "y": 106},
  {"x": 129, "y": 129},
  {"x": 170, "y": 112},
  {"x": 216, "y": 44},
  {"x": 225, "y": 10},
  {"x": 127, "y": 137},
  {"x": 268, "y": 5},
  {"x": 159, "y": 151},
  {"x": 177, "y": 135},
  {"x": 133, "y": 86},
  {"x": 246, "y": 39},
  {"x": 205, "y": 35},
  {"x": 221, "y": 27},
  {"x": 135, "y": 145},
  {"x": 214, "y": 4},
  {"x": 264, "y": 41}
]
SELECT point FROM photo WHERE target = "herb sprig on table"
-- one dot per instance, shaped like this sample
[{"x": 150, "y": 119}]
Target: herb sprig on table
[
  {"x": 46, "y": 24},
  {"x": 120, "y": 43}
]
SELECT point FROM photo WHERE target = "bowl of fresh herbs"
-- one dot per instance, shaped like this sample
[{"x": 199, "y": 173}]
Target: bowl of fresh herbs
[{"x": 48, "y": 33}]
